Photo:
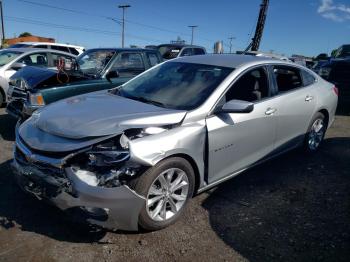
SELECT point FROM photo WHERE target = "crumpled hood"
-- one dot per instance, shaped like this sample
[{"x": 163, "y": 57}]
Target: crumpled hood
[{"x": 101, "y": 114}]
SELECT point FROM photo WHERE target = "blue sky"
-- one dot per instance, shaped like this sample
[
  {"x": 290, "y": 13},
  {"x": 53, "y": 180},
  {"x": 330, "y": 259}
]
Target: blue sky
[{"x": 306, "y": 27}]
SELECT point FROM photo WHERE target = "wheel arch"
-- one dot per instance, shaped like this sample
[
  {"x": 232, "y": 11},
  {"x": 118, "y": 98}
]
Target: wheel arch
[
  {"x": 2, "y": 91},
  {"x": 326, "y": 115},
  {"x": 194, "y": 166}
]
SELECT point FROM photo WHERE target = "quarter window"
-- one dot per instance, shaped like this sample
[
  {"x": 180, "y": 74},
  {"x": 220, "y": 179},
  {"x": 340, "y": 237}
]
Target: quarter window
[
  {"x": 287, "y": 78},
  {"x": 252, "y": 86}
]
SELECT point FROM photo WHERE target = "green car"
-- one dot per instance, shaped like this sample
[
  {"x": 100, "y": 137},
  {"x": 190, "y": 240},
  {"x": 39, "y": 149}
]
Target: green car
[{"x": 94, "y": 70}]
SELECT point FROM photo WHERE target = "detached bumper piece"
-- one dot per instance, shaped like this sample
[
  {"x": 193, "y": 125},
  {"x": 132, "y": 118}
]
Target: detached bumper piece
[{"x": 113, "y": 208}]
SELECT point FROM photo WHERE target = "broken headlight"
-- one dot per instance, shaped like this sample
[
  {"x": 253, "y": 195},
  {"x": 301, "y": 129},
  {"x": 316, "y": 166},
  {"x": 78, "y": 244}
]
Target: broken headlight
[{"x": 107, "y": 154}]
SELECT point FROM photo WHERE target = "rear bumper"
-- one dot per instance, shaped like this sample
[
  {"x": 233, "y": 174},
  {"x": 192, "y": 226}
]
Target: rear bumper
[{"x": 113, "y": 208}]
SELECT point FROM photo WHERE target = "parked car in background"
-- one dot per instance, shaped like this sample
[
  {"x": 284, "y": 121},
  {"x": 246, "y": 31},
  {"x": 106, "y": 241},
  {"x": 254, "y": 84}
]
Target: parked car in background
[
  {"x": 170, "y": 51},
  {"x": 13, "y": 59},
  {"x": 134, "y": 155},
  {"x": 96, "y": 69},
  {"x": 342, "y": 52},
  {"x": 337, "y": 71},
  {"x": 73, "y": 49}
]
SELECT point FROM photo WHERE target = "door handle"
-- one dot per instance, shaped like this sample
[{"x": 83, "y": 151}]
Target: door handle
[
  {"x": 270, "y": 111},
  {"x": 308, "y": 98}
]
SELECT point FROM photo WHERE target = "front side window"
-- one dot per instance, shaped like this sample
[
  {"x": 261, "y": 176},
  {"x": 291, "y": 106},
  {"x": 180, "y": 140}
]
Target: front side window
[
  {"x": 198, "y": 51},
  {"x": 7, "y": 56},
  {"x": 153, "y": 59},
  {"x": 93, "y": 62},
  {"x": 128, "y": 61},
  {"x": 252, "y": 86},
  {"x": 186, "y": 52},
  {"x": 287, "y": 78},
  {"x": 37, "y": 59},
  {"x": 68, "y": 60},
  {"x": 176, "y": 85}
]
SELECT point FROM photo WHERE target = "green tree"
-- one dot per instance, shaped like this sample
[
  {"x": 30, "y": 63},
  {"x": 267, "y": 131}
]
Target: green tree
[{"x": 24, "y": 34}]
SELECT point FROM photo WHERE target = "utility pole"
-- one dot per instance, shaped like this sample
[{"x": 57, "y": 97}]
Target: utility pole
[
  {"x": 123, "y": 22},
  {"x": 2, "y": 26},
  {"x": 192, "y": 27},
  {"x": 231, "y": 38}
]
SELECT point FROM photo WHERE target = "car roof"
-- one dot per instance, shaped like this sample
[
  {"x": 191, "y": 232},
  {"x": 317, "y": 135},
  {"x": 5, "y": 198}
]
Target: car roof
[
  {"x": 33, "y": 50},
  {"x": 121, "y": 49},
  {"x": 49, "y": 43},
  {"x": 226, "y": 60},
  {"x": 181, "y": 45}
]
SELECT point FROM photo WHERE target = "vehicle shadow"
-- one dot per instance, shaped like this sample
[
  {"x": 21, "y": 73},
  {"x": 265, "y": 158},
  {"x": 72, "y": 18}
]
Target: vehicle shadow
[
  {"x": 18, "y": 209},
  {"x": 7, "y": 127},
  {"x": 293, "y": 208}
]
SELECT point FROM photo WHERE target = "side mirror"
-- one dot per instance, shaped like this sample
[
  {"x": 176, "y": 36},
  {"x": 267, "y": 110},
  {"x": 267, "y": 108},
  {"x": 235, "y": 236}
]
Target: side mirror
[
  {"x": 236, "y": 106},
  {"x": 17, "y": 66},
  {"x": 112, "y": 74}
]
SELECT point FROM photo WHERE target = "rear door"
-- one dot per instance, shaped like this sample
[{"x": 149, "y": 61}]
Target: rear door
[
  {"x": 296, "y": 101},
  {"x": 236, "y": 141}
]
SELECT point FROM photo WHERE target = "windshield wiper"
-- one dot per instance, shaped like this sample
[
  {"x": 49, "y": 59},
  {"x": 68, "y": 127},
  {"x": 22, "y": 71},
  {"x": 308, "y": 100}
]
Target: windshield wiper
[{"x": 148, "y": 101}]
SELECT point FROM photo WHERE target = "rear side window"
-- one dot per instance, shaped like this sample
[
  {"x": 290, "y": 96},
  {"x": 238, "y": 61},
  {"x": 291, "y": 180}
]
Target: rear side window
[
  {"x": 198, "y": 51},
  {"x": 60, "y": 48},
  {"x": 287, "y": 78},
  {"x": 308, "y": 78},
  {"x": 153, "y": 59},
  {"x": 252, "y": 86}
]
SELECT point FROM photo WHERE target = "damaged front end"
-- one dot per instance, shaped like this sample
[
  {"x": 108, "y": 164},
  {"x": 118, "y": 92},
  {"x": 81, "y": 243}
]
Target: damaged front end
[{"x": 94, "y": 183}]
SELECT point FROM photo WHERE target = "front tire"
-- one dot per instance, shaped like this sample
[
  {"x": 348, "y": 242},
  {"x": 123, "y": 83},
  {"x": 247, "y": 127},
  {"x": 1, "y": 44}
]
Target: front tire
[
  {"x": 167, "y": 188},
  {"x": 316, "y": 132}
]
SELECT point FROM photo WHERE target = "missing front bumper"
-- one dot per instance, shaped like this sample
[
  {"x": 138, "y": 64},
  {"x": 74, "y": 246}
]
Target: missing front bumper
[{"x": 113, "y": 208}]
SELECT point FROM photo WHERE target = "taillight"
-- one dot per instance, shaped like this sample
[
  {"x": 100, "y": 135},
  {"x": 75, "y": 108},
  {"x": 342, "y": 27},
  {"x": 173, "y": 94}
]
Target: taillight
[{"x": 336, "y": 91}]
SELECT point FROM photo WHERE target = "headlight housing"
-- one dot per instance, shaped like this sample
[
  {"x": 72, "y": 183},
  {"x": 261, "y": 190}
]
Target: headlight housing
[
  {"x": 20, "y": 83},
  {"x": 36, "y": 99}
]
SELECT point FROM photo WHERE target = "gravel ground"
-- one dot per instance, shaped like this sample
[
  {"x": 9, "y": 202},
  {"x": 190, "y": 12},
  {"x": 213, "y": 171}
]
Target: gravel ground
[{"x": 293, "y": 208}]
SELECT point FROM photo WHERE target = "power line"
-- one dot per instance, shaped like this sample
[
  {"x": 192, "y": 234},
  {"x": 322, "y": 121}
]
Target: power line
[
  {"x": 111, "y": 18},
  {"x": 74, "y": 28}
]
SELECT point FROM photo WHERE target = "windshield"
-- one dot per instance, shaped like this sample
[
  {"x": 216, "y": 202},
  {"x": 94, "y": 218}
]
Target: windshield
[
  {"x": 93, "y": 62},
  {"x": 169, "y": 51},
  {"x": 8, "y": 56},
  {"x": 176, "y": 85}
]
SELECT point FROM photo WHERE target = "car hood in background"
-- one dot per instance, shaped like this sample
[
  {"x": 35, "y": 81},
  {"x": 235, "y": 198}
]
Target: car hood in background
[
  {"x": 37, "y": 77},
  {"x": 99, "y": 114}
]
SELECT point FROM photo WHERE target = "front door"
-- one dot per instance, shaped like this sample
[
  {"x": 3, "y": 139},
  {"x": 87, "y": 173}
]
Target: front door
[{"x": 236, "y": 141}]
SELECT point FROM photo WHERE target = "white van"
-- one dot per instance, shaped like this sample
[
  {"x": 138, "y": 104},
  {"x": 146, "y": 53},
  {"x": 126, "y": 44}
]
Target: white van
[{"x": 73, "y": 49}]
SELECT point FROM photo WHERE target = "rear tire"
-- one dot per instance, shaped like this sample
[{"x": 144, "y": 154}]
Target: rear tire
[
  {"x": 2, "y": 98},
  {"x": 167, "y": 188},
  {"x": 316, "y": 132}
]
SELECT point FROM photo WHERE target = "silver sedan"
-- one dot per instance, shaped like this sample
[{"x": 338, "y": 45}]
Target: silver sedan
[{"x": 135, "y": 155}]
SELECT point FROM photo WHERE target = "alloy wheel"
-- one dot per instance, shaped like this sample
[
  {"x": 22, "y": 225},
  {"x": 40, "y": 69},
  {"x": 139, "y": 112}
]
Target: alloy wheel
[
  {"x": 167, "y": 194},
  {"x": 316, "y": 134}
]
